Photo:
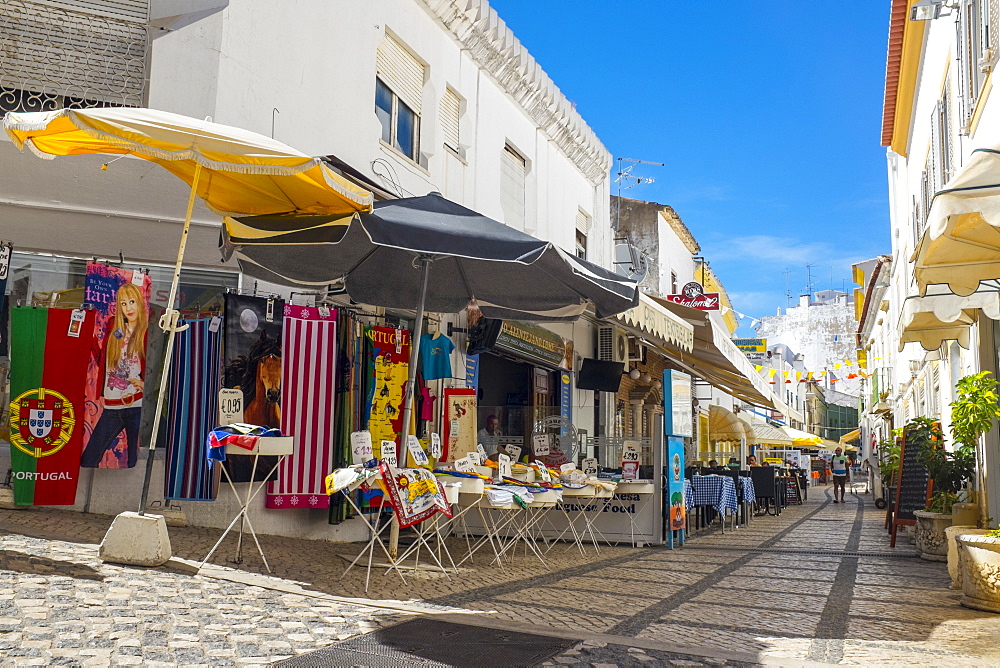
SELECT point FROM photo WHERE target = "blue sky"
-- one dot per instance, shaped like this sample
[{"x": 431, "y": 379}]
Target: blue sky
[{"x": 766, "y": 114}]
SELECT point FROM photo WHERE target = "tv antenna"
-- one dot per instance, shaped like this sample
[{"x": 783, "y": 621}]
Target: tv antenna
[
  {"x": 809, "y": 280},
  {"x": 625, "y": 175},
  {"x": 788, "y": 289}
]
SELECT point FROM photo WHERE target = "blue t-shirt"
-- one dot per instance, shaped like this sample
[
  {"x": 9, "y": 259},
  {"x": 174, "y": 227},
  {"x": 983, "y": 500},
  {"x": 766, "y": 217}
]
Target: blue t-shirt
[{"x": 435, "y": 356}]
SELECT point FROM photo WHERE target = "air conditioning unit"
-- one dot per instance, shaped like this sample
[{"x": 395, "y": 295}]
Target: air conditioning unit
[{"x": 612, "y": 344}]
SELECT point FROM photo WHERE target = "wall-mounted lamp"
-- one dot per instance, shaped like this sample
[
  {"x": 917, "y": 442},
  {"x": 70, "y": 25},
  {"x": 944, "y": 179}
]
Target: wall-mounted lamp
[
  {"x": 634, "y": 374},
  {"x": 928, "y": 10},
  {"x": 645, "y": 378},
  {"x": 914, "y": 367}
]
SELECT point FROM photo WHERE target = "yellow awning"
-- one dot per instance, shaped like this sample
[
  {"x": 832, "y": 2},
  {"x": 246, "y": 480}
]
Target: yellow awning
[
  {"x": 652, "y": 321},
  {"x": 242, "y": 173},
  {"x": 765, "y": 434},
  {"x": 941, "y": 315},
  {"x": 850, "y": 437},
  {"x": 724, "y": 425}
]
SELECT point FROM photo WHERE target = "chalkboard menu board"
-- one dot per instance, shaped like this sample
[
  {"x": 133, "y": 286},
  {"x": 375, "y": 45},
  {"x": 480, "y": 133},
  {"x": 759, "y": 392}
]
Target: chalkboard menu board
[
  {"x": 792, "y": 492},
  {"x": 911, "y": 488}
]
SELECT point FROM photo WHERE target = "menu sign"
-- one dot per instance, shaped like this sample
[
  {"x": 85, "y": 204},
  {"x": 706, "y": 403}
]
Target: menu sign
[{"x": 912, "y": 490}]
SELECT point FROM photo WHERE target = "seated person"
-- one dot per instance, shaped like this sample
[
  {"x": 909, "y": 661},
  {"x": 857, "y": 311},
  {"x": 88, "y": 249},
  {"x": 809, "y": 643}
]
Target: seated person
[
  {"x": 490, "y": 434},
  {"x": 751, "y": 460},
  {"x": 733, "y": 462},
  {"x": 713, "y": 464}
]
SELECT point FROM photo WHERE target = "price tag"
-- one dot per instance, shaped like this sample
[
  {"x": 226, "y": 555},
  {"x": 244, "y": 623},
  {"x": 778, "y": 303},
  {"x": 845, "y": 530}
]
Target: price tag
[
  {"x": 399, "y": 340},
  {"x": 456, "y": 428},
  {"x": 388, "y": 452},
  {"x": 138, "y": 277},
  {"x": 630, "y": 451},
  {"x": 503, "y": 467},
  {"x": 540, "y": 445},
  {"x": 435, "y": 446},
  {"x": 465, "y": 465},
  {"x": 543, "y": 471},
  {"x": 215, "y": 323},
  {"x": 361, "y": 446},
  {"x": 589, "y": 466},
  {"x": 269, "y": 314},
  {"x": 482, "y": 453},
  {"x": 417, "y": 452},
  {"x": 474, "y": 457},
  {"x": 76, "y": 319},
  {"x": 230, "y": 406},
  {"x": 324, "y": 312},
  {"x": 514, "y": 451},
  {"x": 630, "y": 470},
  {"x": 567, "y": 467}
]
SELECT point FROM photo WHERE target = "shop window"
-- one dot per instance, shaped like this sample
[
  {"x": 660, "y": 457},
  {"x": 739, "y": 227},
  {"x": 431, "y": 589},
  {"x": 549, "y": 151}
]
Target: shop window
[
  {"x": 673, "y": 283},
  {"x": 976, "y": 50}
]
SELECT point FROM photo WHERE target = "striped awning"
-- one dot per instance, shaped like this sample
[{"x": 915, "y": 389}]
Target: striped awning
[{"x": 649, "y": 320}]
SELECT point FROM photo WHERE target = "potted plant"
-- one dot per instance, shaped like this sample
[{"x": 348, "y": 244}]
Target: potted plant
[
  {"x": 888, "y": 467},
  {"x": 978, "y": 556},
  {"x": 949, "y": 471}
]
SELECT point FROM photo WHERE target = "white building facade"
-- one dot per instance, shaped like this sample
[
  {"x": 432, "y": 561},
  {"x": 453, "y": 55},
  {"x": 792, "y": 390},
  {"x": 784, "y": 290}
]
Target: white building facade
[{"x": 410, "y": 96}]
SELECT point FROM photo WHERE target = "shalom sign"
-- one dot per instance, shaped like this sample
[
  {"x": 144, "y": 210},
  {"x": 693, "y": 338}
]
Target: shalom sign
[{"x": 693, "y": 295}]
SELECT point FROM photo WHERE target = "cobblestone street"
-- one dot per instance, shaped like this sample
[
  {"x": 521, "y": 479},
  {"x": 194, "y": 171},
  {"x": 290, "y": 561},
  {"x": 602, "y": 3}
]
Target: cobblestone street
[{"x": 785, "y": 590}]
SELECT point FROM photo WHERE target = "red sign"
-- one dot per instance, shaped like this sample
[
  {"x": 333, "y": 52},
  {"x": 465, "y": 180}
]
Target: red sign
[{"x": 708, "y": 301}]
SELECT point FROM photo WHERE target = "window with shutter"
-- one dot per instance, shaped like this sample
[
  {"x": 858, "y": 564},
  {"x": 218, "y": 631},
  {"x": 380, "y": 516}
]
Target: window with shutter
[
  {"x": 401, "y": 72},
  {"x": 92, "y": 55},
  {"x": 399, "y": 85},
  {"x": 512, "y": 173},
  {"x": 451, "y": 109}
]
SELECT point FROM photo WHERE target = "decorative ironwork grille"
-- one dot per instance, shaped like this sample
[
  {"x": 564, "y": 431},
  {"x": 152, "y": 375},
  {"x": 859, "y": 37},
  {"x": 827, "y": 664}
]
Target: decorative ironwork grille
[{"x": 53, "y": 57}]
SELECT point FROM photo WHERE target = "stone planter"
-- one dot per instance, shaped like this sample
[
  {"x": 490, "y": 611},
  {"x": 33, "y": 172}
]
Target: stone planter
[
  {"x": 979, "y": 562},
  {"x": 930, "y": 536},
  {"x": 951, "y": 534}
]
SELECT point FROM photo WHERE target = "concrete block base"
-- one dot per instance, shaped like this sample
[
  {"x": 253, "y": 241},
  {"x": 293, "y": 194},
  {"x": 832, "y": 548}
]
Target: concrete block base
[{"x": 136, "y": 540}]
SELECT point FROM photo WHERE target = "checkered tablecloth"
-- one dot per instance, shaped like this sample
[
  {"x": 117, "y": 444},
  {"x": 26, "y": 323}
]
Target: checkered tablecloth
[
  {"x": 716, "y": 491},
  {"x": 749, "y": 495},
  {"x": 688, "y": 495}
]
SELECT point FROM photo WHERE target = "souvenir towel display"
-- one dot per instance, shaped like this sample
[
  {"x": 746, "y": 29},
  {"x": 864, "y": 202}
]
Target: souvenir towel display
[
  {"x": 49, "y": 351},
  {"x": 195, "y": 381},
  {"x": 415, "y": 494},
  {"x": 253, "y": 365},
  {"x": 117, "y": 365},
  {"x": 387, "y": 369},
  {"x": 5, "y": 253},
  {"x": 308, "y": 398}
]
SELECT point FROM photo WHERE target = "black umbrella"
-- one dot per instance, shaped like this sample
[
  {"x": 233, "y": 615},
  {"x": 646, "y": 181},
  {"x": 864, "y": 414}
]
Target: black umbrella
[{"x": 378, "y": 257}]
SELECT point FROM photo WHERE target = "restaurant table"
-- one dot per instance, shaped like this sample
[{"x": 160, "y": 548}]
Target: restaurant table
[{"x": 715, "y": 492}]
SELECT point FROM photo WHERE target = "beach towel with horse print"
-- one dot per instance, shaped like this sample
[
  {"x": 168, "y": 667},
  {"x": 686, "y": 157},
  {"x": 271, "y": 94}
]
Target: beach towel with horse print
[
  {"x": 253, "y": 352},
  {"x": 308, "y": 401}
]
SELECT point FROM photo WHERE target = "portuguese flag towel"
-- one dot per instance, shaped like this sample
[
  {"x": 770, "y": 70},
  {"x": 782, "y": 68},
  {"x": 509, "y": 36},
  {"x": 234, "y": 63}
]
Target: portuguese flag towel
[{"x": 49, "y": 353}]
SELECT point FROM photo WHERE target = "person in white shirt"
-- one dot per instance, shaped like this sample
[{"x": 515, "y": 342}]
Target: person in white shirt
[
  {"x": 490, "y": 435},
  {"x": 841, "y": 474}
]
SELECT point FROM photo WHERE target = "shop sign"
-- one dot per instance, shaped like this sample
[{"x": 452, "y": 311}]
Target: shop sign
[
  {"x": 693, "y": 295},
  {"x": 754, "y": 349},
  {"x": 565, "y": 399},
  {"x": 678, "y": 409},
  {"x": 472, "y": 372},
  {"x": 535, "y": 344},
  {"x": 675, "y": 484}
]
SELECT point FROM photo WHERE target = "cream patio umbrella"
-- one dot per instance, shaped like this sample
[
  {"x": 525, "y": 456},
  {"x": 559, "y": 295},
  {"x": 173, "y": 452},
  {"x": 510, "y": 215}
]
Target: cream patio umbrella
[{"x": 236, "y": 172}]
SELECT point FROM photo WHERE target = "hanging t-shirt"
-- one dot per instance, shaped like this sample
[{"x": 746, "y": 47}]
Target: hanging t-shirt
[
  {"x": 426, "y": 404},
  {"x": 435, "y": 356},
  {"x": 839, "y": 465}
]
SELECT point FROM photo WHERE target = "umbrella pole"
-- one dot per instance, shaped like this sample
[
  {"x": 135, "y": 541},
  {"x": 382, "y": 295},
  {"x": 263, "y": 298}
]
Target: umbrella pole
[
  {"x": 168, "y": 323},
  {"x": 411, "y": 382}
]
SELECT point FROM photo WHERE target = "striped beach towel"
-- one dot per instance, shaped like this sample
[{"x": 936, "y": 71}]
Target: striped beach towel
[
  {"x": 195, "y": 381},
  {"x": 308, "y": 388}
]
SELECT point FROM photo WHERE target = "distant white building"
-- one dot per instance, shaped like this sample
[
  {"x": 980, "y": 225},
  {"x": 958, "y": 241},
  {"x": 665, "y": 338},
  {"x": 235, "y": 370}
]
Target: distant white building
[{"x": 821, "y": 331}]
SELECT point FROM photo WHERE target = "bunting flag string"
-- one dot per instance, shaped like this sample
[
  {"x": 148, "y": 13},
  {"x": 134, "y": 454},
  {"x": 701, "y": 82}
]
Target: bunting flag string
[{"x": 846, "y": 370}]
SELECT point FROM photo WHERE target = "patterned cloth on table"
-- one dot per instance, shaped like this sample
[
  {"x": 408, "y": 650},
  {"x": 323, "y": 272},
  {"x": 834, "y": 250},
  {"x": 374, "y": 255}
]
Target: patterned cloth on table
[
  {"x": 688, "y": 494},
  {"x": 716, "y": 491},
  {"x": 749, "y": 494},
  {"x": 195, "y": 381},
  {"x": 308, "y": 384}
]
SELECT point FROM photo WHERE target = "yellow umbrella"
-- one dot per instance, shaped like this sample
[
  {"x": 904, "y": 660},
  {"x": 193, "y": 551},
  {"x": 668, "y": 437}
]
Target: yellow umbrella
[
  {"x": 802, "y": 438},
  {"x": 235, "y": 171}
]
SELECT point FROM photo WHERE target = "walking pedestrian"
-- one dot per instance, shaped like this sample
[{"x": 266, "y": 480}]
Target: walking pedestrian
[{"x": 841, "y": 474}]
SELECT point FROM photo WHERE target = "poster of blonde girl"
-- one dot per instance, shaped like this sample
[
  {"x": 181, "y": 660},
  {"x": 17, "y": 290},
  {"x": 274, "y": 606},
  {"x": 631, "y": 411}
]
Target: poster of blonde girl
[{"x": 118, "y": 366}]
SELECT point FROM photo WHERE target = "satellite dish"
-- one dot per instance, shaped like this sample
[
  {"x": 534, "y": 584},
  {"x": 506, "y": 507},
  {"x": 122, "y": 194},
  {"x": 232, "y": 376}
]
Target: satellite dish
[{"x": 630, "y": 262}]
